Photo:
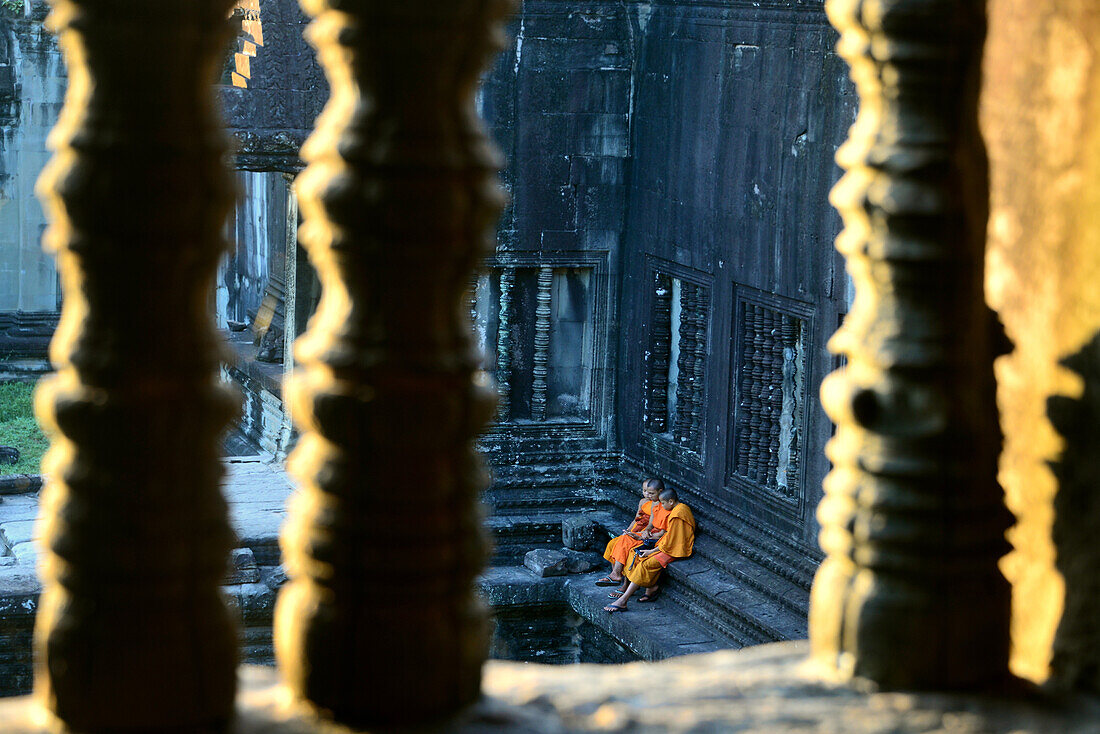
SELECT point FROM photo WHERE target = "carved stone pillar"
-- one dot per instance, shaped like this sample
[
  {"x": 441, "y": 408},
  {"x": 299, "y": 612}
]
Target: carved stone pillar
[
  {"x": 132, "y": 633},
  {"x": 504, "y": 345},
  {"x": 541, "y": 357},
  {"x": 379, "y": 621},
  {"x": 913, "y": 520},
  {"x": 660, "y": 354}
]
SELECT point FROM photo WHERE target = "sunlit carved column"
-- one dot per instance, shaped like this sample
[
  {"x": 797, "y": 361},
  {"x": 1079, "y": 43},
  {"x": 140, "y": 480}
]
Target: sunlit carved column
[
  {"x": 913, "y": 519},
  {"x": 132, "y": 633},
  {"x": 379, "y": 621}
]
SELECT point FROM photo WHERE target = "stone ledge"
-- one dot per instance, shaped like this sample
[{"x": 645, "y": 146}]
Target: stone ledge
[
  {"x": 765, "y": 689},
  {"x": 20, "y": 483}
]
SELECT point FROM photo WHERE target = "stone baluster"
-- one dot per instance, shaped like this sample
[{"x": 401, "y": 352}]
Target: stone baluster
[
  {"x": 660, "y": 354},
  {"x": 758, "y": 427},
  {"x": 379, "y": 621},
  {"x": 504, "y": 345},
  {"x": 791, "y": 335},
  {"x": 744, "y": 417},
  {"x": 774, "y": 403},
  {"x": 698, "y": 385},
  {"x": 132, "y": 633},
  {"x": 685, "y": 364},
  {"x": 541, "y": 357},
  {"x": 471, "y": 295},
  {"x": 913, "y": 520}
]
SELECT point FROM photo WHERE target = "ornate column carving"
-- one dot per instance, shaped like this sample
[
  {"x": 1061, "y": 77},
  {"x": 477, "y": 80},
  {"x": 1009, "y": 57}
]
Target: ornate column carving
[
  {"x": 379, "y": 622},
  {"x": 791, "y": 335},
  {"x": 685, "y": 364},
  {"x": 698, "y": 385},
  {"x": 758, "y": 391},
  {"x": 132, "y": 633},
  {"x": 660, "y": 354},
  {"x": 913, "y": 520},
  {"x": 504, "y": 345},
  {"x": 746, "y": 397},
  {"x": 542, "y": 344}
]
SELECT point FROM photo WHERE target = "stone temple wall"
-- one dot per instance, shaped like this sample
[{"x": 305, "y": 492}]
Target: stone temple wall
[
  {"x": 271, "y": 91},
  {"x": 679, "y": 156},
  {"x": 669, "y": 168},
  {"x": 32, "y": 89}
]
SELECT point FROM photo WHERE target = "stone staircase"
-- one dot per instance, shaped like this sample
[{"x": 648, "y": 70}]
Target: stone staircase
[{"x": 718, "y": 598}]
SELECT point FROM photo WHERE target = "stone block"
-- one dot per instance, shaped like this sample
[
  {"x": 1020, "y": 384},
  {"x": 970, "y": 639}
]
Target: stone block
[
  {"x": 581, "y": 532},
  {"x": 242, "y": 567},
  {"x": 274, "y": 577},
  {"x": 546, "y": 562},
  {"x": 579, "y": 562}
]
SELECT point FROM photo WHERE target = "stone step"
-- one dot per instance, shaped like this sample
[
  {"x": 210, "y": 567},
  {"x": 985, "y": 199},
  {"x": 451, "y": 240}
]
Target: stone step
[
  {"x": 741, "y": 600},
  {"x": 513, "y": 535},
  {"x": 741, "y": 613},
  {"x": 651, "y": 631},
  {"x": 744, "y": 602}
]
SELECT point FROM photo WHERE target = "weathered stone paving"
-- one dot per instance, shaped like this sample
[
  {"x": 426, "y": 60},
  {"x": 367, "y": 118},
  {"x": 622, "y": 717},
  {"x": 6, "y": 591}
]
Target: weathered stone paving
[{"x": 256, "y": 492}]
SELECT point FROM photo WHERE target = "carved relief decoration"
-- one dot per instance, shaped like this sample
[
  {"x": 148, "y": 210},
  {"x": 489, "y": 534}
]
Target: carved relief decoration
[{"x": 399, "y": 201}]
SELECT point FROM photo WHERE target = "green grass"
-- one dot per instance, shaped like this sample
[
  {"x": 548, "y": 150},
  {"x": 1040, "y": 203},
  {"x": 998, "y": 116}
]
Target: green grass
[{"x": 19, "y": 429}]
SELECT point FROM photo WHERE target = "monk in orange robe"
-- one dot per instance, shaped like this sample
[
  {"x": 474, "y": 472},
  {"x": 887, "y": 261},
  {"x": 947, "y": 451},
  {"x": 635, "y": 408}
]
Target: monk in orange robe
[
  {"x": 646, "y": 566},
  {"x": 618, "y": 549}
]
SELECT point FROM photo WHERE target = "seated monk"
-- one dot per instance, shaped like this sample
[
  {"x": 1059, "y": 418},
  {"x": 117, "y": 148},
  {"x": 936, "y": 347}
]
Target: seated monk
[
  {"x": 646, "y": 566},
  {"x": 618, "y": 549}
]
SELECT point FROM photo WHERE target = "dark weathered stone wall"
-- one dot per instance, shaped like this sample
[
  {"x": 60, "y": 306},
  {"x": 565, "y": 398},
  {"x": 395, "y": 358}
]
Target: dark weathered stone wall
[
  {"x": 686, "y": 147},
  {"x": 271, "y": 111},
  {"x": 558, "y": 105},
  {"x": 739, "y": 108}
]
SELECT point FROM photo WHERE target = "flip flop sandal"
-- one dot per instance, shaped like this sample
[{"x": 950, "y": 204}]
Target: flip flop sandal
[
  {"x": 611, "y": 608},
  {"x": 608, "y": 581},
  {"x": 649, "y": 597},
  {"x": 614, "y": 594}
]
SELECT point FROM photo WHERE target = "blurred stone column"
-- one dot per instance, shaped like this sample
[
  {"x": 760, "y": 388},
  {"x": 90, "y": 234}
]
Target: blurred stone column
[
  {"x": 132, "y": 633},
  {"x": 913, "y": 520},
  {"x": 379, "y": 621}
]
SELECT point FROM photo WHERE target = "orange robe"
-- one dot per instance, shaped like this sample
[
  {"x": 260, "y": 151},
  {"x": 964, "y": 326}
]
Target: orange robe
[
  {"x": 618, "y": 549},
  {"x": 678, "y": 542}
]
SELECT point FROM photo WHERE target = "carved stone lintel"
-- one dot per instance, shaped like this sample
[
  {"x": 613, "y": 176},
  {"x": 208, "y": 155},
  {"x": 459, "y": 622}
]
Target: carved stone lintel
[
  {"x": 399, "y": 199},
  {"x": 913, "y": 520},
  {"x": 541, "y": 357},
  {"x": 132, "y": 633},
  {"x": 504, "y": 345}
]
